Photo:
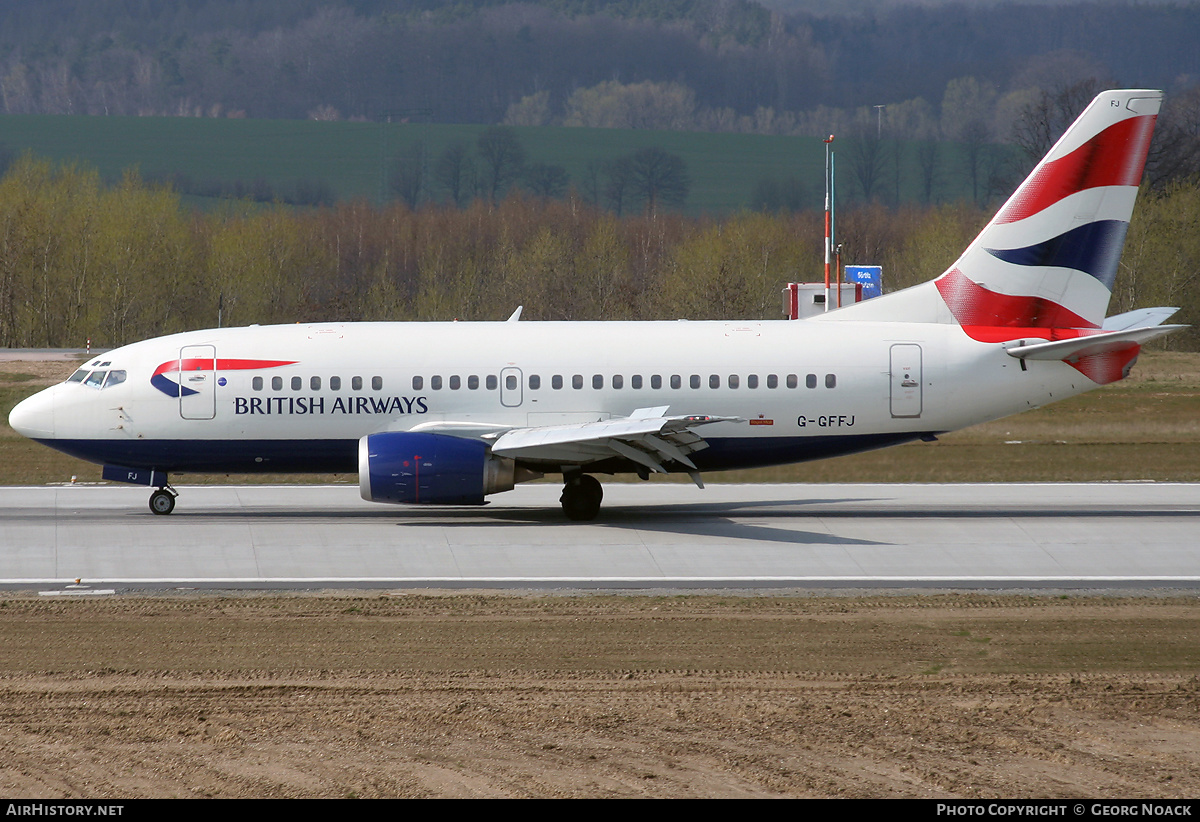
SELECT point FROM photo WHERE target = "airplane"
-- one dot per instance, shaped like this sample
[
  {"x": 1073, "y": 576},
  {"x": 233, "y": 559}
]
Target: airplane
[{"x": 448, "y": 413}]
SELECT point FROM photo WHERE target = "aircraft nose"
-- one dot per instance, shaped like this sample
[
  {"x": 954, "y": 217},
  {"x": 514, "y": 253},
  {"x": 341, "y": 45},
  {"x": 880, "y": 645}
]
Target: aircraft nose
[{"x": 33, "y": 417}]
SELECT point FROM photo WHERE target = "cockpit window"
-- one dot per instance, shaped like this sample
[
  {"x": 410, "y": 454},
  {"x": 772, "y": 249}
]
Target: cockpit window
[
  {"x": 78, "y": 375},
  {"x": 96, "y": 379},
  {"x": 114, "y": 378}
]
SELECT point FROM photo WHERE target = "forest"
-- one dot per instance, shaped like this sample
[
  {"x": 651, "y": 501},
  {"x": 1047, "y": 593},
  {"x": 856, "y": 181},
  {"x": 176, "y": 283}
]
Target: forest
[{"x": 80, "y": 260}]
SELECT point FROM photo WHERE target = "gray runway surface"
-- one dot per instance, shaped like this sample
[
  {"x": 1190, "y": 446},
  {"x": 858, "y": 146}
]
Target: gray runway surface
[{"x": 652, "y": 535}]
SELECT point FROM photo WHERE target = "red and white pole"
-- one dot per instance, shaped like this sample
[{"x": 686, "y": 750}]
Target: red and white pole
[{"x": 828, "y": 213}]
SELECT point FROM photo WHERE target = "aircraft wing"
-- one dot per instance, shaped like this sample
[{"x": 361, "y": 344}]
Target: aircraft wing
[{"x": 647, "y": 437}]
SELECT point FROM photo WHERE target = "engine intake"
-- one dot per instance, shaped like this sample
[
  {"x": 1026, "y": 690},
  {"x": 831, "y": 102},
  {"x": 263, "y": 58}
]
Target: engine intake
[{"x": 431, "y": 469}]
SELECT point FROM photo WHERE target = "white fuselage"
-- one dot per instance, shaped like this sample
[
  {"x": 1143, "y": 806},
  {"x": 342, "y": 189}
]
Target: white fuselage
[{"x": 299, "y": 397}]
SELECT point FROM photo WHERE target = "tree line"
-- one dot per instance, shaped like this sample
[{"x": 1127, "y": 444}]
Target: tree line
[{"x": 116, "y": 263}]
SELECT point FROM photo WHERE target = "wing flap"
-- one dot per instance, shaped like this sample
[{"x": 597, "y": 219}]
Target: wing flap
[{"x": 647, "y": 437}]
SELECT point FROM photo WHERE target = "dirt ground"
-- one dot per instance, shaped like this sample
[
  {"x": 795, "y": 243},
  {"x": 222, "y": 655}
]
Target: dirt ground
[{"x": 480, "y": 695}]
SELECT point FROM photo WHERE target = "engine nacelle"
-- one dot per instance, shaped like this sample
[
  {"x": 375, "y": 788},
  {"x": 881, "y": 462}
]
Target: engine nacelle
[{"x": 432, "y": 469}]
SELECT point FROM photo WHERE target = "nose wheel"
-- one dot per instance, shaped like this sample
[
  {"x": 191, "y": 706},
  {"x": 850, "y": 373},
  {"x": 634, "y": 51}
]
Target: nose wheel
[
  {"x": 162, "y": 501},
  {"x": 581, "y": 498}
]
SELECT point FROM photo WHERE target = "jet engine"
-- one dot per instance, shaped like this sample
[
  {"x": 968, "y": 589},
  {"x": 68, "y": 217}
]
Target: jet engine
[{"x": 432, "y": 469}]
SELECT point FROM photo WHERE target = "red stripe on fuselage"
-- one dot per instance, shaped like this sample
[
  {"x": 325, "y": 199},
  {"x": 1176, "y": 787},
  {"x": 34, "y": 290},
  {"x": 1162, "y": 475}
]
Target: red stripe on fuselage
[{"x": 206, "y": 364}]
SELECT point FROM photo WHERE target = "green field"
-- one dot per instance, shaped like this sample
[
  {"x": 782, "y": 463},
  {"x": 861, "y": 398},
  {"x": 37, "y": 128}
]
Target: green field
[
  {"x": 354, "y": 157},
  {"x": 1144, "y": 428}
]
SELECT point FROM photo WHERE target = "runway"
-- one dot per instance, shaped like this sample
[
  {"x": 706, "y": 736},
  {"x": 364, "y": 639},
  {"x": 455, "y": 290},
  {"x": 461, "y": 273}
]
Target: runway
[{"x": 649, "y": 535}]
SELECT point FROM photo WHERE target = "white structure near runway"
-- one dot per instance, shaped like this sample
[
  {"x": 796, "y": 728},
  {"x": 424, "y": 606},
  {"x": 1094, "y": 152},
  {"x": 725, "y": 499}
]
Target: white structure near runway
[{"x": 654, "y": 535}]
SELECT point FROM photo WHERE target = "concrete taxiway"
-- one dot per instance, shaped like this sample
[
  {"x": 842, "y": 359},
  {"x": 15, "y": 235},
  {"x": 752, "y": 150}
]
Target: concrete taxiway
[{"x": 1118, "y": 535}]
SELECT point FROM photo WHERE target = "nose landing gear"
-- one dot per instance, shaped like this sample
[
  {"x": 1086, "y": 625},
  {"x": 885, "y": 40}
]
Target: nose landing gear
[
  {"x": 162, "y": 501},
  {"x": 581, "y": 497}
]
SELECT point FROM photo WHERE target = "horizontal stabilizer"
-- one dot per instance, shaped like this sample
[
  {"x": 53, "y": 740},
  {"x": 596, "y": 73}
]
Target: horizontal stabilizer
[
  {"x": 1139, "y": 318},
  {"x": 1090, "y": 345}
]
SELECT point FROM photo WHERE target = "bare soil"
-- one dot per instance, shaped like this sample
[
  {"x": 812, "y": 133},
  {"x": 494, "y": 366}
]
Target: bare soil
[{"x": 481, "y": 695}]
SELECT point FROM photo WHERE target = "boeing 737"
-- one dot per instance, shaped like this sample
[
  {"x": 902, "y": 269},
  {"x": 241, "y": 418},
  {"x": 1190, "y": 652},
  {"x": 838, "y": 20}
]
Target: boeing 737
[{"x": 449, "y": 413}]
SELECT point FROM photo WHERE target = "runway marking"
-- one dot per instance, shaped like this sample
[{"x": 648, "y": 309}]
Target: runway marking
[{"x": 583, "y": 581}]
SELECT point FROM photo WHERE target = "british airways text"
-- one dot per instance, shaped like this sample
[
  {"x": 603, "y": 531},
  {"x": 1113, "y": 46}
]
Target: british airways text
[{"x": 340, "y": 405}]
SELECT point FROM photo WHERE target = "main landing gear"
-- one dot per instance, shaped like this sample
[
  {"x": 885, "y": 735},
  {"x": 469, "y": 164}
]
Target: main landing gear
[
  {"x": 581, "y": 497},
  {"x": 162, "y": 501}
]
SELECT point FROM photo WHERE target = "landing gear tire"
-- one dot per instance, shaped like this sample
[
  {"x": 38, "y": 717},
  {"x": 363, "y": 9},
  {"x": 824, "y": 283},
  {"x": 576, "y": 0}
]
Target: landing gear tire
[
  {"x": 162, "y": 501},
  {"x": 581, "y": 498}
]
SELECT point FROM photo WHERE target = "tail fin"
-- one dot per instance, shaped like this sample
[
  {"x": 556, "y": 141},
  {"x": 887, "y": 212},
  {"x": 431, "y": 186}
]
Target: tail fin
[{"x": 1048, "y": 259}]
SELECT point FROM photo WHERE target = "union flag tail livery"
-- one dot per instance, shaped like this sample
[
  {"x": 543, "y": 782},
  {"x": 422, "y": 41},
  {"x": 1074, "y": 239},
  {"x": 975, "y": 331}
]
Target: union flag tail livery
[
  {"x": 1049, "y": 257},
  {"x": 449, "y": 413}
]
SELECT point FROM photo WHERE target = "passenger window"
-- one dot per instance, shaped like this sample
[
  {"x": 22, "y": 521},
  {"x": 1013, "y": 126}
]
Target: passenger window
[
  {"x": 297, "y": 383},
  {"x": 335, "y": 383},
  {"x": 455, "y": 383},
  {"x": 315, "y": 383},
  {"x": 635, "y": 381},
  {"x": 830, "y": 380},
  {"x": 694, "y": 381},
  {"x": 556, "y": 382},
  {"x": 597, "y": 381},
  {"x": 772, "y": 381},
  {"x": 418, "y": 383},
  {"x": 714, "y": 381},
  {"x": 535, "y": 382},
  {"x": 676, "y": 381},
  {"x": 256, "y": 383},
  {"x": 656, "y": 381},
  {"x": 435, "y": 382},
  {"x": 356, "y": 383},
  {"x": 473, "y": 382},
  {"x": 733, "y": 380},
  {"x": 276, "y": 383},
  {"x": 617, "y": 381},
  {"x": 577, "y": 381},
  {"x": 752, "y": 381},
  {"x": 377, "y": 383},
  {"x": 810, "y": 381},
  {"x": 792, "y": 381},
  {"x": 492, "y": 382}
]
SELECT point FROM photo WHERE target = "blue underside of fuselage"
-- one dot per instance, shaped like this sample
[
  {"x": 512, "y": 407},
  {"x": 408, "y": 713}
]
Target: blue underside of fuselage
[{"x": 341, "y": 456}]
